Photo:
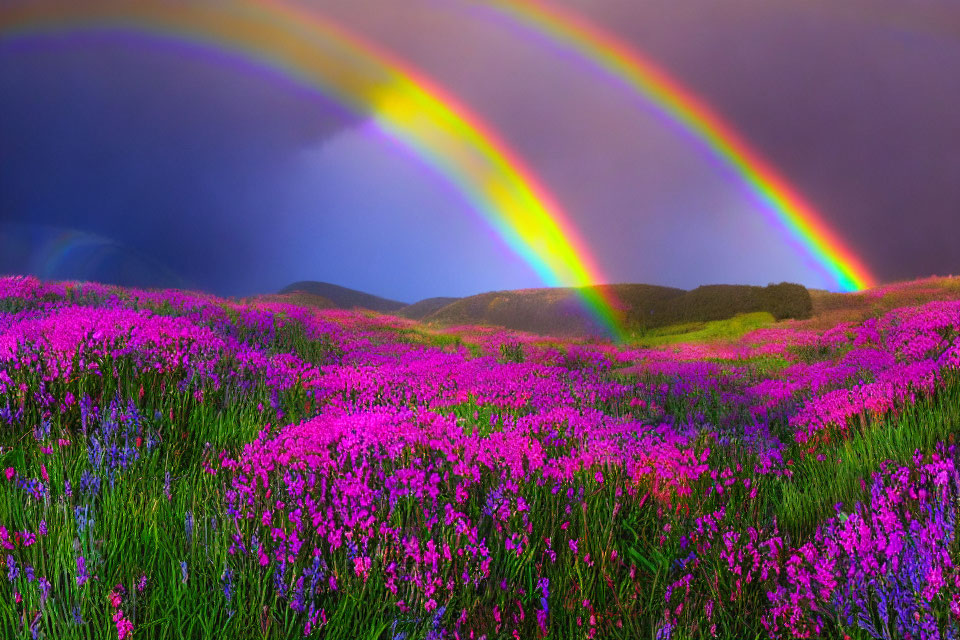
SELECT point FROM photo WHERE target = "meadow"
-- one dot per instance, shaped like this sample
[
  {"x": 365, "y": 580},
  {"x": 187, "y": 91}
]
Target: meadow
[{"x": 176, "y": 465}]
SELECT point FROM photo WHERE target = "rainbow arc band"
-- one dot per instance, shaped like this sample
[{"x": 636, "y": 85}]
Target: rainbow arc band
[
  {"x": 779, "y": 201},
  {"x": 408, "y": 108}
]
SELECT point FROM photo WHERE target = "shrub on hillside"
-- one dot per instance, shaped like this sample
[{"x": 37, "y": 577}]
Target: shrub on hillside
[
  {"x": 720, "y": 302},
  {"x": 787, "y": 300}
]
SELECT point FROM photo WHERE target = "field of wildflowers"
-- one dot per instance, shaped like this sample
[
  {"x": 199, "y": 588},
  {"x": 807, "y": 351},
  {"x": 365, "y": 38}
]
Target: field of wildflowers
[{"x": 180, "y": 466}]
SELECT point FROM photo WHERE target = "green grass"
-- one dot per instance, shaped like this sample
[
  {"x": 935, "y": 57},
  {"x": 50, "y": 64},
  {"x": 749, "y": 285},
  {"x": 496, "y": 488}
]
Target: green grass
[
  {"x": 717, "y": 330},
  {"x": 805, "y": 501}
]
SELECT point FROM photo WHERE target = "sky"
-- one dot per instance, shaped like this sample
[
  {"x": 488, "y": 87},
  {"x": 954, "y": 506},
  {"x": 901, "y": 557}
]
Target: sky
[{"x": 141, "y": 161}]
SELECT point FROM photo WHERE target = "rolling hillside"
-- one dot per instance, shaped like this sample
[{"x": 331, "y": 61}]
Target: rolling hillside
[
  {"x": 422, "y": 309},
  {"x": 560, "y": 311},
  {"x": 550, "y": 311},
  {"x": 344, "y": 298},
  {"x": 299, "y": 298}
]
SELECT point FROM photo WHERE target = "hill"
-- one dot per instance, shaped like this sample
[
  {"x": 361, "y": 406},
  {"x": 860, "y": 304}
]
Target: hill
[
  {"x": 714, "y": 302},
  {"x": 422, "y": 309},
  {"x": 830, "y": 309},
  {"x": 299, "y": 298},
  {"x": 549, "y": 311},
  {"x": 344, "y": 298},
  {"x": 560, "y": 311}
]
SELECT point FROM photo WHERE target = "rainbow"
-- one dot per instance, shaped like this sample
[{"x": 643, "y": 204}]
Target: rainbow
[
  {"x": 405, "y": 106},
  {"x": 780, "y": 202}
]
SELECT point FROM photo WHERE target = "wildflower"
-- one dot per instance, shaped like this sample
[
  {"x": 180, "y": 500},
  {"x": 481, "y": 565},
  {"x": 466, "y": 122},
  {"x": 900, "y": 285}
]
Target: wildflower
[
  {"x": 45, "y": 586},
  {"x": 10, "y": 472},
  {"x": 82, "y": 575},
  {"x": 116, "y": 596},
  {"x": 142, "y": 583},
  {"x": 183, "y": 572},
  {"x": 35, "y": 626},
  {"x": 12, "y": 571},
  {"x": 124, "y": 626},
  {"x": 83, "y": 519},
  {"x": 226, "y": 578},
  {"x": 188, "y": 525},
  {"x": 573, "y": 546}
]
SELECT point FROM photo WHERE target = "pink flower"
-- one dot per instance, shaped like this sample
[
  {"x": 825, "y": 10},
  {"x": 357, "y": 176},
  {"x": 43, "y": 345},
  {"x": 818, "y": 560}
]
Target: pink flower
[
  {"x": 10, "y": 473},
  {"x": 361, "y": 566},
  {"x": 124, "y": 626}
]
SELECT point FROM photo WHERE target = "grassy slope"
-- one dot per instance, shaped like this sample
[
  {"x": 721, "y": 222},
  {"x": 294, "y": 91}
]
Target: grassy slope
[{"x": 718, "y": 330}]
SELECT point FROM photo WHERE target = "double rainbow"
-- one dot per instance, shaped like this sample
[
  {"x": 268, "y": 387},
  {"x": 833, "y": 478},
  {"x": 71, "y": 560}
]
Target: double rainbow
[
  {"x": 406, "y": 107},
  {"x": 785, "y": 208}
]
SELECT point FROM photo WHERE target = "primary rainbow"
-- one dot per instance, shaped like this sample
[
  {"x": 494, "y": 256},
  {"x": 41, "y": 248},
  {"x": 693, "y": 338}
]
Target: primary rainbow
[
  {"x": 408, "y": 108},
  {"x": 642, "y": 76}
]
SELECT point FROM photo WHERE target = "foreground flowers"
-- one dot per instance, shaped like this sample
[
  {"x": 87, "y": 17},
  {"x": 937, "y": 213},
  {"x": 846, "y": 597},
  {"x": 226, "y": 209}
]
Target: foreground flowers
[{"x": 178, "y": 464}]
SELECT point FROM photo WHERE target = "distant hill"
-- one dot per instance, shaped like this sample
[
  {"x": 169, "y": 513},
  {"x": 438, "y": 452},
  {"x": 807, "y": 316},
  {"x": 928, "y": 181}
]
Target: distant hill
[
  {"x": 713, "y": 302},
  {"x": 345, "y": 298},
  {"x": 560, "y": 311},
  {"x": 552, "y": 311},
  {"x": 299, "y": 298},
  {"x": 422, "y": 309}
]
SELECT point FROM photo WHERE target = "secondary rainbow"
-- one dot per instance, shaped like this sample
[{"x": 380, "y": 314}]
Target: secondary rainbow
[
  {"x": 406, "y": 106},
  {"x": 781, "y": 202}
]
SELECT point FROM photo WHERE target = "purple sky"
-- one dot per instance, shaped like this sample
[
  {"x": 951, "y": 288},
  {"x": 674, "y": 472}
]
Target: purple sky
[{"x": 237, "y": 181}]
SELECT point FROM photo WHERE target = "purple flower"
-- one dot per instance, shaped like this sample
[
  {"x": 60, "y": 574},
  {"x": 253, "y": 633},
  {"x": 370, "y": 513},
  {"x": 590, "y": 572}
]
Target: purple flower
[
  {"x": 82, "y": 575},
  {"x": 44, "y": 590}
]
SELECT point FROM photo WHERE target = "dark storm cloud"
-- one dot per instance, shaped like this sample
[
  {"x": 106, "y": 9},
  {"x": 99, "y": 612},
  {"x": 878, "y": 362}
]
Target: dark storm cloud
[
  {"x": 213, "y": 169},
  {"x": 170, "y": 149},
  {"x": 854, "y": 102}
]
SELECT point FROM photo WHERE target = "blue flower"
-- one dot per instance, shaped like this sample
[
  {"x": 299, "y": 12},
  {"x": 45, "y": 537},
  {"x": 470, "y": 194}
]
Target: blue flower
[{"x": 12, "y": 570}]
